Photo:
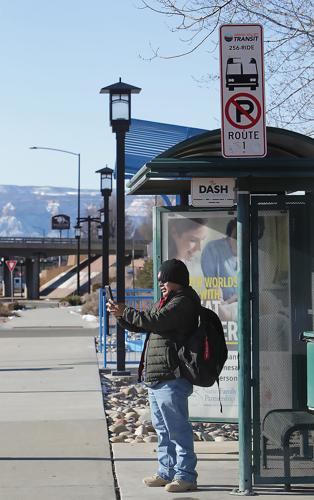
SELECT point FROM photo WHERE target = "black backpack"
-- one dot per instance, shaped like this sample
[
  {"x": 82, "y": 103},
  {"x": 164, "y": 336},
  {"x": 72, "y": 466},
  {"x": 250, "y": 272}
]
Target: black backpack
[{"x": 204, "y": 354}]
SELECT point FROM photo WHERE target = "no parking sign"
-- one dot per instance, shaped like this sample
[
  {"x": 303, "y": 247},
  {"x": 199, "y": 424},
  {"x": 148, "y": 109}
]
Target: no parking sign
[{"x": 242, "y": 91}]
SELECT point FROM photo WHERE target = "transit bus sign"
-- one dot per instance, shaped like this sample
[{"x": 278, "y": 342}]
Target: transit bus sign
[{"x": 243, "y": 129}]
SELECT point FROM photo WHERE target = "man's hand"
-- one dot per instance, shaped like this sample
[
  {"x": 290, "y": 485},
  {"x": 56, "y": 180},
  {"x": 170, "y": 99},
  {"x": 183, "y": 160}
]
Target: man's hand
[{"x": 115, "y": 308}]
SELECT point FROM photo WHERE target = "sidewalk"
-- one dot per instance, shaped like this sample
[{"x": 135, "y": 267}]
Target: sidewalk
[
  {"x": 217, "y": 471},
  {"x": 47, "y": 315},
  {"x": 53, "y": 433}
]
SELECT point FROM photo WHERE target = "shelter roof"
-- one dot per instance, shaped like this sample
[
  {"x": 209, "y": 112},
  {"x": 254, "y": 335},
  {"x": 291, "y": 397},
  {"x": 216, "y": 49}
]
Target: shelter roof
[{"x": 290, "y": 156}]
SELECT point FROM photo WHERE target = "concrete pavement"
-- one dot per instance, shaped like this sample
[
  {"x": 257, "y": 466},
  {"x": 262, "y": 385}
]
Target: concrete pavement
[
  {"x": 217, "y": 474},
  {"x": 46, "y": 318},
  {"x": 51, "y": 316},
  {"x": 53, "y": 432}
]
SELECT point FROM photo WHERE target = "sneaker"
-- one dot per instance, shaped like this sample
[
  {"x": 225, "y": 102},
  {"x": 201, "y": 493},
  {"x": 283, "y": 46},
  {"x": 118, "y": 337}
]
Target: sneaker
[
  {"x": 155, "y": 481},
  {"x": 179, "y": 486}
]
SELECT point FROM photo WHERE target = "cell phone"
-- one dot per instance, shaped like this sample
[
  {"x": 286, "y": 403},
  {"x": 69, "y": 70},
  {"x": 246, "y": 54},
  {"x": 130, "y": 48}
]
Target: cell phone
[{"x": 108, "y": 292}]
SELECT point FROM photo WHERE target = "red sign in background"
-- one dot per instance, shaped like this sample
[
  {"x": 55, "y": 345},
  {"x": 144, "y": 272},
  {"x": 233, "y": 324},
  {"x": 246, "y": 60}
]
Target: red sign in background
[{"x": 11, "y": 264}]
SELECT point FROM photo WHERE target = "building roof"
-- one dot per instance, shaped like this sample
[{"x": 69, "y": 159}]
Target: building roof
[{"x": 146, "y": 140}]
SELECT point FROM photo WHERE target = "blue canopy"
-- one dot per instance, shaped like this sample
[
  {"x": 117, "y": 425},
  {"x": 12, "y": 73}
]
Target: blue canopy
[{"x": 146, "y": 140}]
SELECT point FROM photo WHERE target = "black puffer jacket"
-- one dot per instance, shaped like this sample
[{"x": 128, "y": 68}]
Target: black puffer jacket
[{"x": 168, "y": 327}]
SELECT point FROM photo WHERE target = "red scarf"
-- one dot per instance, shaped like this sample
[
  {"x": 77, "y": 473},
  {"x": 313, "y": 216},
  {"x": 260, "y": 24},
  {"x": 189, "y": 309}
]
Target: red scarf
[{"x": 162, "y": 302}]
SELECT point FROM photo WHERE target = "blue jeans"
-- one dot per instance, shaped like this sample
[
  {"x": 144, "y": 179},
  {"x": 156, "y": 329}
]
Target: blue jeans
[{"x": 170, "y": 417}]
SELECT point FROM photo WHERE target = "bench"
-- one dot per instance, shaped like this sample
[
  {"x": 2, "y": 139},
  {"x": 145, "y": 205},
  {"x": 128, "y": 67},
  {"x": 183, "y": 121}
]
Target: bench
[{"x": 277, "y": 427}]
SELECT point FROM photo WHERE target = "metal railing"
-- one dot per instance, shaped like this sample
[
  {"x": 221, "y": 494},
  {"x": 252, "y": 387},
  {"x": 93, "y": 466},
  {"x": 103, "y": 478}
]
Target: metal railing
[{"x": 139, "y": 298}]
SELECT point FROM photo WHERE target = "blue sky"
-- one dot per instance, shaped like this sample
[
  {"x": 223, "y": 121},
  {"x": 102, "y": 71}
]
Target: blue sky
[{"x": 56, "y": 55}]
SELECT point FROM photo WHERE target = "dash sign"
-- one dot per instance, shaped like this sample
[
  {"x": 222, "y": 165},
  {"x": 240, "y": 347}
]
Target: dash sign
[{"x": 212, "y": 192}]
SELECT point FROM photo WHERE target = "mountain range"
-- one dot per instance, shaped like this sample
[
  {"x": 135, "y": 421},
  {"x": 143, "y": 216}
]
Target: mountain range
[{"x": 27, "y": 210}]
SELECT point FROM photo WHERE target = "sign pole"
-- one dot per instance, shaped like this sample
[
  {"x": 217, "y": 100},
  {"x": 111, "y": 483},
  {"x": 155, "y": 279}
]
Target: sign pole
[
  {"x": 244, "y": 337},
  {"x": 12, "y": 285},
  {"x": 11, "y": 266}
]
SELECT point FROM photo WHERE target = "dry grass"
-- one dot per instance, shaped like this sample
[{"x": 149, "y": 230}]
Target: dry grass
[
  {"x": 8, "y": 309},
  {"x": 91, "y": 304}
]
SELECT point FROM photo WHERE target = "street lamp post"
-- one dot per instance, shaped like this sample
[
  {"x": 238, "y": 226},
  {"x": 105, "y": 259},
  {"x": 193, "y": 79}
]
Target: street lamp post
[
  {"x": 120, "y": 119},
  {"x": 106, "y": 190},
  {"x": 77, "y": 234},
  {"x": 78, "y": 155},
  {"x": 89, "y": 219}
]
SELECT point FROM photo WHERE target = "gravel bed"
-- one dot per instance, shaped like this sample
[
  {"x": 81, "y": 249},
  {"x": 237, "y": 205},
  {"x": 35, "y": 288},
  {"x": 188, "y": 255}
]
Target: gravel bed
[{"x": 128, "y": 415}]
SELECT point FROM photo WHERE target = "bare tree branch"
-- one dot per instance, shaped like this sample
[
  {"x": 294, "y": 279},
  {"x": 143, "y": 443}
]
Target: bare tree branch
[{"x": 289, "y": 46}]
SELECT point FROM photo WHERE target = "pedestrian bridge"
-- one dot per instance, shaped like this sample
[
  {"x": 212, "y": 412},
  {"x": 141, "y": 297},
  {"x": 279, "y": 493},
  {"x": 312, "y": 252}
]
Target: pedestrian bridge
[
  {"x": 46, "y": 247},
  {"x": 33, "y": 250}
]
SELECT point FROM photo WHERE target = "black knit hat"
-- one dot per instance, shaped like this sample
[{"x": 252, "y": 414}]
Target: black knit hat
[{"x": 175, "y": 271}]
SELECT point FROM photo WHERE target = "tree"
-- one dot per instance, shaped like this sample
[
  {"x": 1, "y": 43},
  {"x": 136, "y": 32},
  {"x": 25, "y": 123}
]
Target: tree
[
  {"x": 144, "y": 277},
  {"x": 289, "y": 47}
]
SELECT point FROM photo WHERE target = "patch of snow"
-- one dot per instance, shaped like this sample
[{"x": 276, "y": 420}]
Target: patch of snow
[{"x": 89, "y": 317}]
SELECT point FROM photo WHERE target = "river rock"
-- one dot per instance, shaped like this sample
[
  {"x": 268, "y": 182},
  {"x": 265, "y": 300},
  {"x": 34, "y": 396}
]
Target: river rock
[
  {"x": 125, "y": 434},
  {"x": 116, "y": 439},
  {"x": 121, "y": 421},
  {"x": 141, "y": 401},
  {"x": 150, "y": 439},
  {"x": 150, "y": 428},
  {"x": 139, "y": 439},
  {"x": 141, "y": 390},
  {"x": 131, "y": 414},
  {"x": 129, "y": 417},
  {"x": 141, "y": 430},
  {"x": 146, "y": 417},
  {"x": 128, "y": 391},
  {"x": 117, "y": 428},
  {"x": 208, "y": 437},
  {"x": 220, "y": 438}
]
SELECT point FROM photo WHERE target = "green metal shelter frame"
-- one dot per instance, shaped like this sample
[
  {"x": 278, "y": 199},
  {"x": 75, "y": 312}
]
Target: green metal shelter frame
[{"x": 288, "y": 167}]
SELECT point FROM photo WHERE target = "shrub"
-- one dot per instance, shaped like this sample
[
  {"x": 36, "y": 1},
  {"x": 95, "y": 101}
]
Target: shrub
[
  {"x": 8, "y": 309},
  {"x": 91, "y": 304},
  {"x": 5, "y": 310},
  {"x": 16, "y": 306},
  {"x": 72, "y": 300},
  {"x": 144, "y": 277}
]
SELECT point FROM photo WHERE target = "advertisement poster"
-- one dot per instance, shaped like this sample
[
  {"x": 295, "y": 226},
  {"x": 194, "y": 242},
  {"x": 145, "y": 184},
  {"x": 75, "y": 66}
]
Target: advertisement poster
[{"x": 206, "y": 243}]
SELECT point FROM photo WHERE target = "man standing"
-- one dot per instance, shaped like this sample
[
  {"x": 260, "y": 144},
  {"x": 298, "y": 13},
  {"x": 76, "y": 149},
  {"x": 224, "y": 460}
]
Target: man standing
[{"x": 168, "y": 324}]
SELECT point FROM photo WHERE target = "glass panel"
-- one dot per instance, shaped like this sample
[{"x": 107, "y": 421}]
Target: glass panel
[
  {"x": 106, "y": 183},
  {"x": 274, "y": 313},
  {"x": 206, "y": 242},
  {"x": 120, "y": 109},
  {"x": 286, "y": 432}
]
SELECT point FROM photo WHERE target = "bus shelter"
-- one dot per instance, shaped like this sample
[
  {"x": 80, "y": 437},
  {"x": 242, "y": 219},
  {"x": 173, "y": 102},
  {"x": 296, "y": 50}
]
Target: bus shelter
[{"x": 273, "y": 209}]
